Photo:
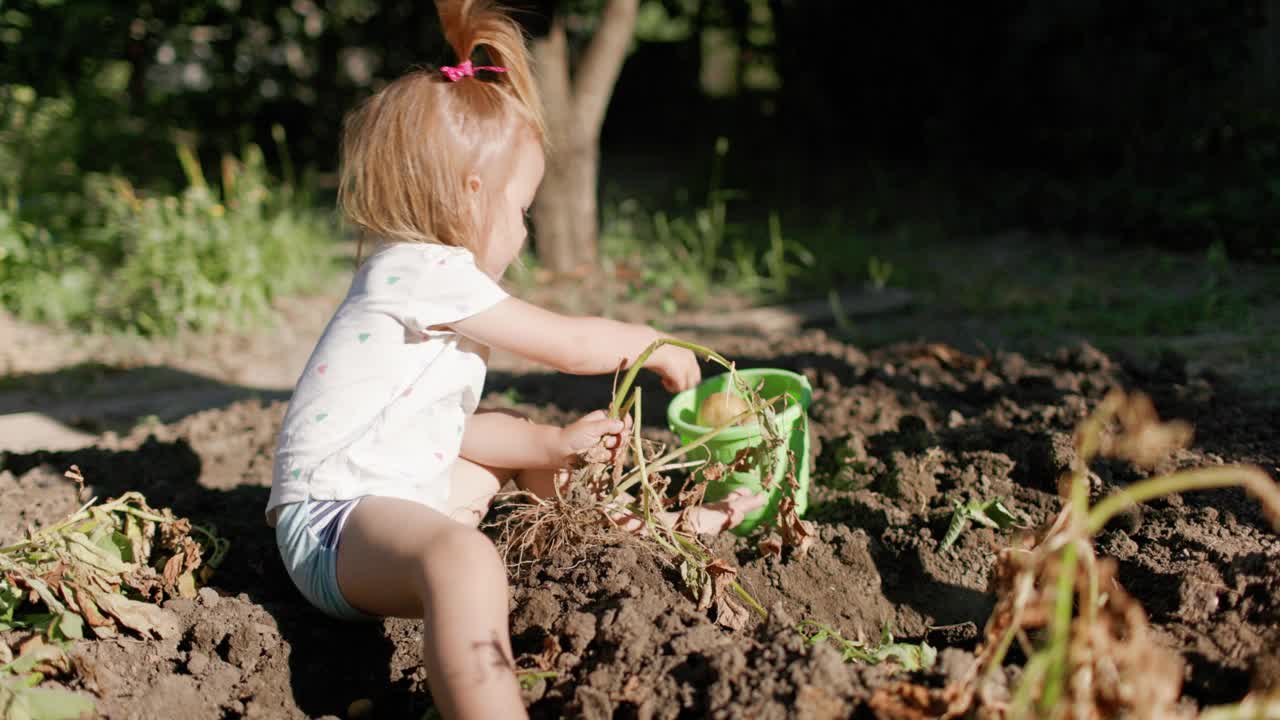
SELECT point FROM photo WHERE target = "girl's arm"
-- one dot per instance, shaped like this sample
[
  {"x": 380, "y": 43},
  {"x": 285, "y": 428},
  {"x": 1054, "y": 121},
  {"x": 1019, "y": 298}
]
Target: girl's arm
[
  {"x": 505, "y": 440},
  {"x": 577, "y": 345}
]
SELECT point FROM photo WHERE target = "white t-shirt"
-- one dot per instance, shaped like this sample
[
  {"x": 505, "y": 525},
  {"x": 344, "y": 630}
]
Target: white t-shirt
[{"x": 382, "y": 403}]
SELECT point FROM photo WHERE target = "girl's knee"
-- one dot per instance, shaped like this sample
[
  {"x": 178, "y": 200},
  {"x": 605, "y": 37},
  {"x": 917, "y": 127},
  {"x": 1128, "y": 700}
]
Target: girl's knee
[{"x": 460, "y": 549}]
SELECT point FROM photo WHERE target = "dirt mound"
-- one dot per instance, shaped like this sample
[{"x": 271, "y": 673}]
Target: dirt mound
[{"x": 903, "y": 433}]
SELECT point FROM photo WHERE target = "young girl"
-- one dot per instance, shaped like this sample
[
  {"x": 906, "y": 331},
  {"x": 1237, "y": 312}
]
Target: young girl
[{"x": 384, "y": 469}]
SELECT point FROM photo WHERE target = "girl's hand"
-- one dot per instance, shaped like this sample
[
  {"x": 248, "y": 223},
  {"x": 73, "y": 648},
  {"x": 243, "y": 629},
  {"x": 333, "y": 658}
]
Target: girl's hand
[
  {"x": 677, "y": 366},
  {"x": 593, "y": 431}
]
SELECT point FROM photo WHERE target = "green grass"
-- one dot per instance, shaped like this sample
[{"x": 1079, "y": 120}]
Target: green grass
[{"x": 678, "y": 258}]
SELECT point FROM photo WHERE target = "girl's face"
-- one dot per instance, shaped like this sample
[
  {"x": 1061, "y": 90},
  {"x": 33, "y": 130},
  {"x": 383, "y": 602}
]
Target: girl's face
[{"x": 507, "y": 224}]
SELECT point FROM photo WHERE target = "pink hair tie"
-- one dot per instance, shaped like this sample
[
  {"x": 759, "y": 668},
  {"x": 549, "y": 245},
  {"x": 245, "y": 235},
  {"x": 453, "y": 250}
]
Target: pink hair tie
[{"x": 466, "y": 69}]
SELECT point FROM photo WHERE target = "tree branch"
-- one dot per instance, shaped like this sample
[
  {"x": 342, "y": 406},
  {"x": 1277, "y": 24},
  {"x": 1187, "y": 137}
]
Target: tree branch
[
  {"x": 551, "y": 63},
  {"x": 601, "y": 62}
]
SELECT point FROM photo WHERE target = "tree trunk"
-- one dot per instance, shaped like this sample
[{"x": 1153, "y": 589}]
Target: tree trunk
[
  {"x": 553, "y": 233},
  {"x": 565, "y": 215}
]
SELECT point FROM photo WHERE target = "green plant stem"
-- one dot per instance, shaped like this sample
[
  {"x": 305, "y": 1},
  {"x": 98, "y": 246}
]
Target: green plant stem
[
  {"x": 620, "y": 396},
  {"x": 1060, "y": 638},
  {"x": 1032, "y": 675},
  {"x": 630, "y": 478},
  {"x": 748, "y": 599},
  {"x": 1250, "y": 478},
  {"x": 646, "y": 491}
]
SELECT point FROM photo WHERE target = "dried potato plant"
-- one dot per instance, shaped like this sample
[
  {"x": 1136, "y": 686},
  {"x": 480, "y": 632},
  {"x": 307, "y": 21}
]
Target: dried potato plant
[
  {"x": 105, "y": 567},
  {"x": 635, "y": 487},
  {"x": 1095, "y": 657}
]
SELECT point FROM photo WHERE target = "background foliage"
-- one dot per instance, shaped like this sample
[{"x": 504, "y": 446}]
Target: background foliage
[{"x": 1149, "y": 121}]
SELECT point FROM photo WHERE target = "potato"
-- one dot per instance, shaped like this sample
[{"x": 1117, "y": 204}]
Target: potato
[{"x": 719, "y": 408}]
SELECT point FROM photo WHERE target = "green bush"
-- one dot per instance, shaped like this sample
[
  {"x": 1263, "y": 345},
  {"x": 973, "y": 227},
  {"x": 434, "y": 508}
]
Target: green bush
[
  {"x": 205, "y": 258},
  {"x": 93, "y": 251}
]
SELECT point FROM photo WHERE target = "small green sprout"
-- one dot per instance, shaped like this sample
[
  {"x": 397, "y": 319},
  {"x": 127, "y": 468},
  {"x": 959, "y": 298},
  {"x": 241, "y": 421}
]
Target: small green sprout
[
  {"x": 879, "y": 271},
  {"x": 530, "y": 678},
  {"x": 992, "y": 513},
  {"x": 911, "y": 657}
]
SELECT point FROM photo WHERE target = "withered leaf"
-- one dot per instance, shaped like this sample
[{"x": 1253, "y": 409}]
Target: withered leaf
[
  {"x": 187, "y": 585},
  {"x": 35, "y": 655},
  {"x": 730, "y": 614},
  {"x": 550, "y": 653},
  {"x": 795, "y": 532},
  {"x": 53, "y": 578},
  {"x": 144, "y": 618},
  {"x": 714, "y": 471},
  {"x": 1147, "y": 445},
  {"x": 89, "y": 553},
  {"x": 31, "y": 644},
  {"x": 172, "y": 569},
  {"x": 770, "y": 544},
  {"x": 68, "y": 596},
  {"x": 89, "y": 609},
  {"x": 721, "y": 572}
]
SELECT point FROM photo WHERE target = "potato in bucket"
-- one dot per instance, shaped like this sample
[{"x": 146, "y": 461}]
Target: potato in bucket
[
  {"x": 687, "y": 415},
  {"x": 720, "y": 408}
]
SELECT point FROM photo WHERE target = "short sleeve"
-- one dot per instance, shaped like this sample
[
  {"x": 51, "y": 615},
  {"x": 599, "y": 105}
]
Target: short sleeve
[{"x": 426, "y": 286}]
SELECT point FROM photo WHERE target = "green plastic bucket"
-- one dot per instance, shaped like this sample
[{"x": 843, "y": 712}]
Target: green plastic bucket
[{"x": 682, "y": 416}]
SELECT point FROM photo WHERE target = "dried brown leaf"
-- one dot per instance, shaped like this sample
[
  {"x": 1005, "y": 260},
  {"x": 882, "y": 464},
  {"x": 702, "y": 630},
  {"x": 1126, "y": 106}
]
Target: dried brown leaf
[
  {"x": 1143, "y": 439},
  {"x": 730, "y": 614},
  {"x": 53, "y": 578},
  {"x": 714, "y": 471},
  {"x": 89, "y": 610},
  {"x": 172, "y": 569},
  {"x": 551, "y": 652},
  {"x": 745, "y": 460},
  {"x": 174, "y": 532},
  {"x": 41, "y": 657},
  {"x": 143, "y": 618},
  {"x": 74, "y": 475},
  {"x": 795, "y": 532},
  {"x": 770, "y": 544},
  {"x": 721, "y": 571},
  {"x": 30, "y": 644}
]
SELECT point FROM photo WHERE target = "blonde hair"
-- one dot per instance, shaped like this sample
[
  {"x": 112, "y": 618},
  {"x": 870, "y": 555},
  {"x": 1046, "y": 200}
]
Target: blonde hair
[{"x": 408, "y": 149}]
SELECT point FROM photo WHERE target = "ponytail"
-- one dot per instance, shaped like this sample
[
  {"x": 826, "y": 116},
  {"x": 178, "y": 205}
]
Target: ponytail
[{"x": 472, "y": 25}]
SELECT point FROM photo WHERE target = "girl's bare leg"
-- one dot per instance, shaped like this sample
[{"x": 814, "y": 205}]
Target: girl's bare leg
[{"x": 403, "y": 559}]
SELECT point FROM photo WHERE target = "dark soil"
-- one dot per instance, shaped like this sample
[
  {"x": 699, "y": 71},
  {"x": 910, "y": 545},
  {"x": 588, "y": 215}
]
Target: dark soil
[{"x": 902, "y": 433}]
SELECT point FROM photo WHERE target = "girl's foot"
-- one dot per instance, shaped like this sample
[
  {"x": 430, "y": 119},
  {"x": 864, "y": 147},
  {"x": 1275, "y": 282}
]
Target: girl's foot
[
  {"x": 718, "y": 516},
  {"x": 709, "y": 519}
]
